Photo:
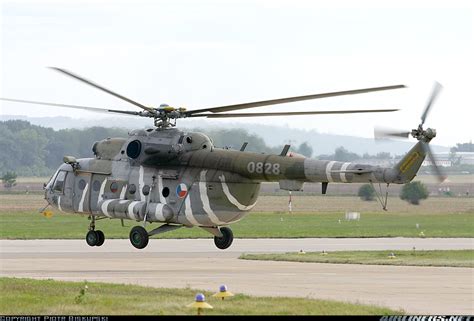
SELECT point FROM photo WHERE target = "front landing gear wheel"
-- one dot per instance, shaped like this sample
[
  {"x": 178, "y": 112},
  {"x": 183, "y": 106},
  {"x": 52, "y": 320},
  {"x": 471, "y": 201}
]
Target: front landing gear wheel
[
  {"x": 226, "y": 240},
  {"x": 139, "y": 237},
  {"x": 92, "y": 238},
  {"x": 100, "y": 238}
]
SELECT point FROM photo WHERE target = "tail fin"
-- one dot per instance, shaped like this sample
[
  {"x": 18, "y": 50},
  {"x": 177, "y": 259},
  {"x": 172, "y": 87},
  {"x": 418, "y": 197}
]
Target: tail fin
[{"x": 407, "y": 168}]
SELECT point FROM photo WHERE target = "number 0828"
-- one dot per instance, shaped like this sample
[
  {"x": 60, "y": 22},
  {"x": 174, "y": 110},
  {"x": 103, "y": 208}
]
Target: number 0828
[{"x": 260, "y": 168}]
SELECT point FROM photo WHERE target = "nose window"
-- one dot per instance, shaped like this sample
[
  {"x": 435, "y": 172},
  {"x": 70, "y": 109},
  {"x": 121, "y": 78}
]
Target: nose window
[{"x": 59, "y": 182}]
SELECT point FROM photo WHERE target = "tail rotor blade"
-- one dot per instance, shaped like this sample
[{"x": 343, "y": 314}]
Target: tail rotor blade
[
  {"x": 383, "y": 133},
  {"x": 439, "y": 173},
  {"x": 436, "y": 89}
]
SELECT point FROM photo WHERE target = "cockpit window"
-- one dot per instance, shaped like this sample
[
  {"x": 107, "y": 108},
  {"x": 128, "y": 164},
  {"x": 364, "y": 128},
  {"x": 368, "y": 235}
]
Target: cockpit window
[{"x": 59, "y": 182}]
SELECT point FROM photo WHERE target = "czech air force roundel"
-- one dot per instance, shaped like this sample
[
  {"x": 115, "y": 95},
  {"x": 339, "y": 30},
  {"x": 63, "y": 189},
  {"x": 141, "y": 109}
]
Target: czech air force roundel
[{"x": 181, "y": 190}]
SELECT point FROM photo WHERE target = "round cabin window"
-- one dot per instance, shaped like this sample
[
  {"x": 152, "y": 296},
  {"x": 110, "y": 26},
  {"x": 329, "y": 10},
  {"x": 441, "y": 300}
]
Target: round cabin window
[
  {"x": 114, "y": 187},
  {"x": 96, "y": 186},
  {"x": 134, "y": 148},
  {"x": 146, "y": 190},
  {"x": 165, "y": 192},
  {"x": 132, "y": 189},
  {"x": 82, "y": 184}
]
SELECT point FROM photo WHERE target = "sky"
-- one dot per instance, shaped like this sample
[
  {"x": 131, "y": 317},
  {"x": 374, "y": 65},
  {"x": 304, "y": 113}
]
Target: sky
[{"x": 198, "y": 54}]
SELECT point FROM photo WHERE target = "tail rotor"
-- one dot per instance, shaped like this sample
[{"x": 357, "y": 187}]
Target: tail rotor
[{"x": 420, "y": 134}]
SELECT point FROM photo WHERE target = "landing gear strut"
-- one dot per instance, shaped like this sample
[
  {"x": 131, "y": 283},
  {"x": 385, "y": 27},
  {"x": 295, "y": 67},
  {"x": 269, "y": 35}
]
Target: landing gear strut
[
  {"x": 225, "y": 240},
  {"x": 93, "y": 237}
]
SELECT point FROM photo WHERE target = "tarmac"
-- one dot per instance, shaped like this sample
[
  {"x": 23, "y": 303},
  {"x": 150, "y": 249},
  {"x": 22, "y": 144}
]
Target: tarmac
[{"x": 196, "y": 263}]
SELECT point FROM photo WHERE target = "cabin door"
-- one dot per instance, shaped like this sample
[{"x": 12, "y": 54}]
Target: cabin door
[{"x": 82, "y": 187}]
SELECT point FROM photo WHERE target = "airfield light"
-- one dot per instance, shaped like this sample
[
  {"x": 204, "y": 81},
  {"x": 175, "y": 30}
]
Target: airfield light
[
  {"x": 200, "y": 303},
  {"x": 223, "y": 293}
]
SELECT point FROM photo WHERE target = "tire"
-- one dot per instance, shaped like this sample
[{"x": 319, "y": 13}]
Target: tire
[
  {"x": 92, "y": 238},
  {"x": 100, "y": 238},
  {"x": 226, "y": 240},
  {"x": 139, "y": 237}
]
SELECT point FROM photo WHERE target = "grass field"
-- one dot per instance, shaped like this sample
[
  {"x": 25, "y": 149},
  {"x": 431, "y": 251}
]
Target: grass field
[
  {"x": 24, "y": 225},
  {"x": 48, "y": 297},
  {"x": 10, "y": 203},
  {"x": 19, "y": 218},
  {"x": 454, "y": 258}
]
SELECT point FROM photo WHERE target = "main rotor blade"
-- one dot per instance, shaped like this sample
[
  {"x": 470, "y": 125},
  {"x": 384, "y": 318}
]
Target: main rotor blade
[
  {"x": 290, "y": 99},
  {"x": 296, "y": 113},
  {"x": 70, "y": 74},
  {"x": 436, "y": 89},
  {"x": 94, "y": 109},
  {"x": 381, "y": 133},
  {"x": 441, "y": 177}
]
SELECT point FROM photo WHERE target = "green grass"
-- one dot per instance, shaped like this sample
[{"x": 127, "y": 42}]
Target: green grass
[
  {"x": 48, "y": 297},
  {"x": 27, "y": 225},
  {"x": 455, "y": 258},
  {"x": 313, "y": 216}
]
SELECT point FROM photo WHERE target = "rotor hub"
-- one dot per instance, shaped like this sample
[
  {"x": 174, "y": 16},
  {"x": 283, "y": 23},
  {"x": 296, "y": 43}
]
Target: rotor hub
[{"x": 424, "y": 135}]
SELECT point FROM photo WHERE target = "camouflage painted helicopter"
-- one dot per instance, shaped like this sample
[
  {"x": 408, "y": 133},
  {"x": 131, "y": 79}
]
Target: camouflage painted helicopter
[{"x": 179, "y": 179}]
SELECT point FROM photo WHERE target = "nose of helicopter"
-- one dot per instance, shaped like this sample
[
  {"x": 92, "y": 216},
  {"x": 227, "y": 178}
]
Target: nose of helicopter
[{"x": 47, "y": 195}]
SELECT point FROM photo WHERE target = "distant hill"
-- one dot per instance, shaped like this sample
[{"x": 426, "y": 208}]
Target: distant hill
[{"x": 272, "y": 135}]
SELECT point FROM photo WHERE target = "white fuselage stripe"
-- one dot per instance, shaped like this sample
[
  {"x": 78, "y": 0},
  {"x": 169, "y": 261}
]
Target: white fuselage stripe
[
  {"x": 130, "y": 210},
  {"x": 205, "y": 200},
  {"x": 104, "y": 206},
  {"x": 101, "y": 192},
  {"x": 122, "y": 193},
  {"x": 83, "y": 197},
  {"x": 231, "y": 198},
  {"x": 160, "y": 189},
  {"x": 141, "y": 183},
  {"x": 188, "y": 211},
  {"x": 159, "y": 212},
  {"x": 59, "y": 204},
  {"x": 343, "y": 175},
  {"x": 328, "y": 170}
]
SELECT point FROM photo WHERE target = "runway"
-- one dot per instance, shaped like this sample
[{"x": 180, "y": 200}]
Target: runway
[{"x": 198, "y": 264}]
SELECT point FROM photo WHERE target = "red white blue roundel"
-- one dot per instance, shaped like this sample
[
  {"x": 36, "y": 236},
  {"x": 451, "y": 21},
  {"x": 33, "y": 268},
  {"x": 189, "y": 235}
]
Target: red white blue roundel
[{"x": 181, "y": 190}]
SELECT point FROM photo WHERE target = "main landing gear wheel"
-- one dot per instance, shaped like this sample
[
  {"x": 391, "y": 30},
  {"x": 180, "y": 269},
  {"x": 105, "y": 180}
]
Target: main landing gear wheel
[
  {"x": 139, "y": 237},
  {"x": 95, "y": 238},
  {"x": 226, "y": 240}
]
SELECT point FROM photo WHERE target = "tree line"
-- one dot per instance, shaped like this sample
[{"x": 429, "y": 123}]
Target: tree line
[{"x": 31, "y": 150}]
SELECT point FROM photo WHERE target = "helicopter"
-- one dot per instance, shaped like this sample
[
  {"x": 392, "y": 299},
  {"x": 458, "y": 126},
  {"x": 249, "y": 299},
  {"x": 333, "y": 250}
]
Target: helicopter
[{"x": 180, "y": 179}]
